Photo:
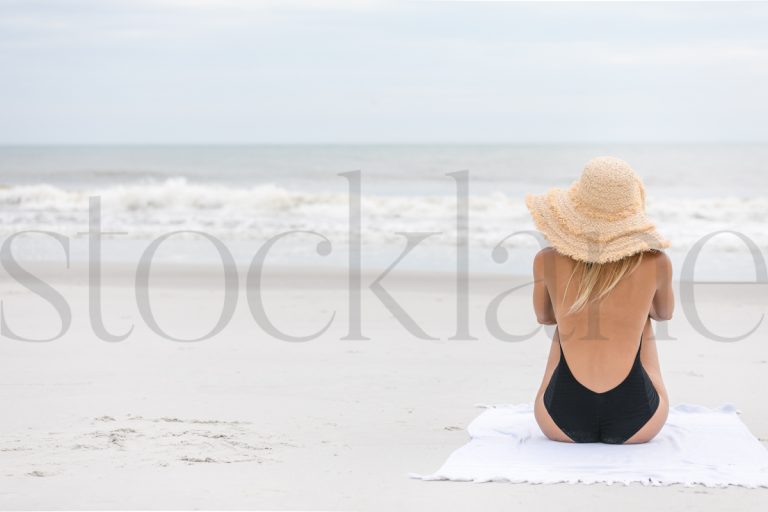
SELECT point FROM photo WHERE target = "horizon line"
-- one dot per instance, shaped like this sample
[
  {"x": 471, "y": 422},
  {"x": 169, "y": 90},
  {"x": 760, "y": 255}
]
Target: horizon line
[{"x": 381, "y": 143}]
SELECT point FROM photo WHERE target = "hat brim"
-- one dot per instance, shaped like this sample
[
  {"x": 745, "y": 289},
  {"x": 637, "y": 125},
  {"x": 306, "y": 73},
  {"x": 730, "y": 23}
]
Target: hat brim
[{"x": 588, "y": 237}]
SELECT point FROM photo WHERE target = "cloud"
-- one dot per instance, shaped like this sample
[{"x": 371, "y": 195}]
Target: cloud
[{"x": 176, "y": 71}]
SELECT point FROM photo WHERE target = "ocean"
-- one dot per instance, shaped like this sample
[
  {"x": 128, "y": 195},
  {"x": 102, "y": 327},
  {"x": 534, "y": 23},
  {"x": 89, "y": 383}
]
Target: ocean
[{"x": 243, "y": 195}]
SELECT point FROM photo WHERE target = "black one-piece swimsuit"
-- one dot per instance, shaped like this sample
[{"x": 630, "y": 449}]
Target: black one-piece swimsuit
[{"x": 612, "y": 416}]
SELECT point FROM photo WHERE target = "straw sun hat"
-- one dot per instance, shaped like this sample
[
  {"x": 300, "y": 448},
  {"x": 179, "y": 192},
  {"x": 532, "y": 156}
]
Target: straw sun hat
[{"x": 600, "y": 217}]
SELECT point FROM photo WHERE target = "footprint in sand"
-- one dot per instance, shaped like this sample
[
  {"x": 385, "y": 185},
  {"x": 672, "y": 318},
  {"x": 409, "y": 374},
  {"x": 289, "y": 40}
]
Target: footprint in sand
[{"x": 136, "y": 441}]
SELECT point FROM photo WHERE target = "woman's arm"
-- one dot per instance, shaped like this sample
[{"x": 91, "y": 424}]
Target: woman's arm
[
  {"x": 663, "y": 303},
  {"x": 542, "y": 302}
]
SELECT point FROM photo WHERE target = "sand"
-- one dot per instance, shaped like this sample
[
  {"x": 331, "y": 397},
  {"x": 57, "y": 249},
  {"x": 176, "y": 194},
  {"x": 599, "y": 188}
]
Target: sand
[{"x": 244, "y": 420}]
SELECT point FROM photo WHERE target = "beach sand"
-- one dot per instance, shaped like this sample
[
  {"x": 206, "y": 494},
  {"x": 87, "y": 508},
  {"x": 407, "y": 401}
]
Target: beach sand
[{"x": 245, "y": 420}]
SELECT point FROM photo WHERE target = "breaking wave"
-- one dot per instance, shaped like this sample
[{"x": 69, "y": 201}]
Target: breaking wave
[{"x": 152, "y": 208}]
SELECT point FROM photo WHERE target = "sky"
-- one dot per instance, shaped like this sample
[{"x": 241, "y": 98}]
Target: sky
[{"x": 240, "y": 72}]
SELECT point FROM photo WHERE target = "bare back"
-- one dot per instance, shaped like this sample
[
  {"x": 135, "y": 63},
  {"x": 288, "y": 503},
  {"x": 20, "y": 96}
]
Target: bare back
[{"x": 600, "y": 341}]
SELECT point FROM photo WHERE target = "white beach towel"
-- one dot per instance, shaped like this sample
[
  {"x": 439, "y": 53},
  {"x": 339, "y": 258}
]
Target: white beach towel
[{"x": 697, "y": 445}]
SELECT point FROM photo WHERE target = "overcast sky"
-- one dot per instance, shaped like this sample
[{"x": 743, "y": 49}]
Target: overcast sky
[{"x": 205, "y": 71}]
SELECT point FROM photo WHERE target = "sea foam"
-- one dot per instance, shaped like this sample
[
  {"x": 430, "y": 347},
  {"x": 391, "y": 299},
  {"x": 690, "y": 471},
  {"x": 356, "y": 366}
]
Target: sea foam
[{"x": 152, "y": 208}]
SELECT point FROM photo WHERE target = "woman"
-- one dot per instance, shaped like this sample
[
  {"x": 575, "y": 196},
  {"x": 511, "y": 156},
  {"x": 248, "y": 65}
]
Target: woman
[{"x": 601, "y": 281}]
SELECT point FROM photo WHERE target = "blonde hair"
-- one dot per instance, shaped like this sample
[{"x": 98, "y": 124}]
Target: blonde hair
[{"x": 598, "y": 279}]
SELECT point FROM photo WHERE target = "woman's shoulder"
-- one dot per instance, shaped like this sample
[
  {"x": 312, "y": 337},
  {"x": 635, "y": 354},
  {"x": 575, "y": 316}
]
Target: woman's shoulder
[
  {"x": 659, "y": 262},
  {"x": 547, "y": 251},
  {"x": 544, "y": 256},
  {"x": 657, "y": 258},
  {"x": 656, "y": 253}
]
